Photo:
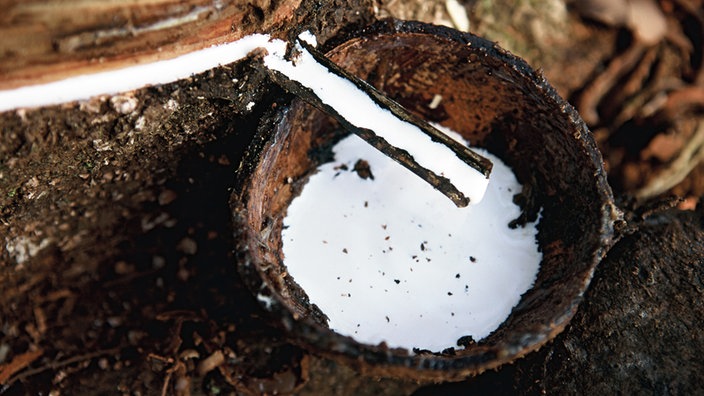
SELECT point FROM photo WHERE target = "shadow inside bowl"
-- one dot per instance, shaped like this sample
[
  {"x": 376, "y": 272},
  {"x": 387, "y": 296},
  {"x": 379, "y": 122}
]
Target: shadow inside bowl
[{"x": 494, "y": 100}]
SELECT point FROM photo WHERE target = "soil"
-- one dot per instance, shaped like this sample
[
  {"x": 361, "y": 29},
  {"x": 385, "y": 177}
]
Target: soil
[{"x": 117, "y": 271}]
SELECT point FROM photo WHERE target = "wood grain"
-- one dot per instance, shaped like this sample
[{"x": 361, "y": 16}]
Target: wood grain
[{"x": 49, "y": 40}]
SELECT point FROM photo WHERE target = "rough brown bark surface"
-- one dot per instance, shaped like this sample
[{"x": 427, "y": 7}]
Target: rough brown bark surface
[
  {"x": 635, "y": 332},
  {"x": 637, "y": 328},
  {"x": 49, "y": 40}
]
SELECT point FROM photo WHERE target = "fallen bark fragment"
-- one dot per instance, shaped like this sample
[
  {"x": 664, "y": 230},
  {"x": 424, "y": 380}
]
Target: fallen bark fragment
[{"x": 19, "y": 363}]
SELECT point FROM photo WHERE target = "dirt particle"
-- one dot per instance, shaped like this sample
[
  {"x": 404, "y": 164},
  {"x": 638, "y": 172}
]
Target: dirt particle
[
  {"x": 344, "y": 250},
  {"x": 187, "y": 246},
  {"x": 182, "y": 274},
  {"x": 223, "y": 160},
  {"x": 122, "y": 268},
  {"x": 422, "y": 246},
  {"x": 363, "y": 169},
  {"x": 449, "y": 293},
  {"x": 158, "y": 262},
  {"x": 457, "y": 276},
  {"x": 166, "y": 197},
  {"x": 435, "y": 102},
  {"x": 114, "y": 321},
  {"x": 449, "y": 351},
  {"x": 123, "y": 104},
  {"x": 466, "y": 341},
  {"x": 397, "y": 281},
  {"x": 472, "y": 259},
  {"x": 387, "y": 319}
]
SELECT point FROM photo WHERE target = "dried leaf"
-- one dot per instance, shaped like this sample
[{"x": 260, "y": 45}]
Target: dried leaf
[{"x": 18, "y": 363}]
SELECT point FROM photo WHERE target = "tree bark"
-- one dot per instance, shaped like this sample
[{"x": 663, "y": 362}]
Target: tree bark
[{"x": 49, "y": 40}]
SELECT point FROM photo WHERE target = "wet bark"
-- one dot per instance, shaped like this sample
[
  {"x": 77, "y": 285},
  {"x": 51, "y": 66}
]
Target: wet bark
[{"x": 48, "y": 40}]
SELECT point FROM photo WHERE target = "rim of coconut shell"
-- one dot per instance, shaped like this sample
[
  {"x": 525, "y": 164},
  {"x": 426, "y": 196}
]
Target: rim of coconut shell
[{"x": 275, "y": 291}]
